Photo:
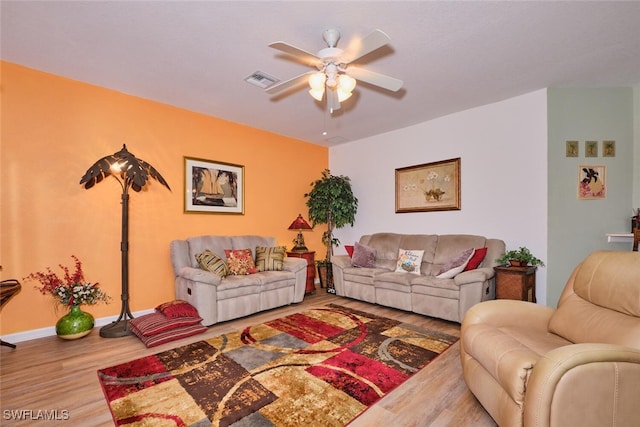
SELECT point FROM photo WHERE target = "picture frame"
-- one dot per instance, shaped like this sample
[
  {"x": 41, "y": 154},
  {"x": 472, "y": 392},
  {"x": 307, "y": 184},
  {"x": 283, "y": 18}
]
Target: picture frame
[
  {"x": 572, "y": 149},
  {"x": 591, "y": 148},
  {"x": 608, "y": 148},
  {"x": 429, "y": 187},
  {"x": 592, "y": 182},
  {"x": 213, "y": 187}
]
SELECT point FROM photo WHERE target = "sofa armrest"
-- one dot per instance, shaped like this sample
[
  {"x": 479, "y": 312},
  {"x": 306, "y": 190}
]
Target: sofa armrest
[
  {"x": 294, "y": 264},
  {"x": 480, "y": 275},
  {"x": 199, "y": 275},
  {"x": 584, "y": 385},
  {"x": 341, "y": 261},
  {"x": 506, "y": 312}
]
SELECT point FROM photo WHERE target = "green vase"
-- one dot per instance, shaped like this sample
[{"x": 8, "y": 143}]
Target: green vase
[{"x": 75, "y": 324}]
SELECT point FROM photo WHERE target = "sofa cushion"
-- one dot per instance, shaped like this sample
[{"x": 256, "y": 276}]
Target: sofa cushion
[
  {"x": 177, "y": 308},
  {"x": 209, "y": 261},
  {"x": 409, "y": 261},
  {"x": 169, "y": 335},
  {"x": 270, "y": 258},
  {"x": 155, "y": 323},
  {"x": 363, "y": 256},
  {"x": 240, "y": 261},
  {"x": 476, "y": 259},
  {"x": 455, "y": 265}
]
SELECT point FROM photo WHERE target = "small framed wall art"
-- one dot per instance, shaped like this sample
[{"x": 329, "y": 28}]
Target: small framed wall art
[
  {"x": 572, "y": 149},
  {"x": 591, "y": 148},
  {"x": 213, "y": 187},
  {"x": 608, "y": 148},
  {"x": 592, "y": 182},
  {"x": 429, "y": 187}
]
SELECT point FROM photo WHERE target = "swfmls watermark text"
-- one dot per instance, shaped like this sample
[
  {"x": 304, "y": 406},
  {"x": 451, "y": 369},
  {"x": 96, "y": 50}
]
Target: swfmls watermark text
[{"x": 35, "y": 414}]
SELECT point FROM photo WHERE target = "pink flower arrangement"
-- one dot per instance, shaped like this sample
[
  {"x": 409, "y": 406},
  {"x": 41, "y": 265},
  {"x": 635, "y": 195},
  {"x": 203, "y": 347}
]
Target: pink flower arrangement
[{"x": 72, "y": 289}]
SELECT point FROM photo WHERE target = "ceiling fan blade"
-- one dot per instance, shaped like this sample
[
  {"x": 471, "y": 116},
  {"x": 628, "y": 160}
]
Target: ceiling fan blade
[
  {"x": 303, "y": 55},
  {"x": 376, "y": 79},
  {"x": 286, "y": 84},
  {"x": 373, "y": 41},
  {"x": 333, "y": 103}
]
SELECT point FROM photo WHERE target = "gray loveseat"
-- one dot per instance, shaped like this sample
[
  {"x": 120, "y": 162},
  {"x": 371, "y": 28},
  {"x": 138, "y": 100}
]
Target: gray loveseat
[
  {"x": 219, "y": 299},
  {"x": 426, "y": 294}
]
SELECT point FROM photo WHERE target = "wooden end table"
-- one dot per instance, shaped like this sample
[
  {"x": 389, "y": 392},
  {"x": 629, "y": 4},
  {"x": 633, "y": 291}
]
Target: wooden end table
[
  {"x": 517, "y": 283},
  {"x": 310, "y": 287}
]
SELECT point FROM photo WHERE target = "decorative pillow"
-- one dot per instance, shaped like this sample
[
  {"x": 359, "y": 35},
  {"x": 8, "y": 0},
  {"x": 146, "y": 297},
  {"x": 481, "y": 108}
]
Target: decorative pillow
[
  {"x": 363, "y": 256},
  {"x": 177, "y": 308},
  {"x": 240, "y": 261},
  {"x": 270, "y": 258},
  {"x": 409, "y": 261},
  {"x": 209, "y": 261},
  {"x": 349, "y": 249},
  {"x": 155, "y": 323},
  {"x": 170, "y": 335},
  {"x": 476, "y": 259},
  {"x": 456, "y": 265}
]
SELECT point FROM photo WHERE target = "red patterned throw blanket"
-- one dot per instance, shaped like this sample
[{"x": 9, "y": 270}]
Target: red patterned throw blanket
[{"x": 323, "y": 366}]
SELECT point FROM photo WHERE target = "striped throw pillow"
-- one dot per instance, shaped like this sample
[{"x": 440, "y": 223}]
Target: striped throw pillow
[
  {"x": 270, "y": 258},
  {"x": 209, "y": 261}
]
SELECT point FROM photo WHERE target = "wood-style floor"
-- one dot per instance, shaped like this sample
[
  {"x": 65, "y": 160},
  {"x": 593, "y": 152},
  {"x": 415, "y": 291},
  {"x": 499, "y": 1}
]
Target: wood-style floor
[{"x": 53, "y": 374}]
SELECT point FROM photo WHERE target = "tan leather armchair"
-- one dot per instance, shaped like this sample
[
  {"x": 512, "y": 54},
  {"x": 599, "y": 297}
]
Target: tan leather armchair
[{"x": 578, "y": 365}]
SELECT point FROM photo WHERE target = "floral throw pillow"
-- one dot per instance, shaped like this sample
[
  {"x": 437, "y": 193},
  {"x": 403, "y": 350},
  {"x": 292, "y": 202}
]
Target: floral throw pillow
[
  {"x": 240, "y": 261},
  {"x": 409, "y": 261}
]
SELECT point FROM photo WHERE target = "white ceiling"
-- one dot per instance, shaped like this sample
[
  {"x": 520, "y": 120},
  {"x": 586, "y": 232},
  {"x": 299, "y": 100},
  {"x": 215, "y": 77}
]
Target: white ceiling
[{"x": 451, "y": 55}]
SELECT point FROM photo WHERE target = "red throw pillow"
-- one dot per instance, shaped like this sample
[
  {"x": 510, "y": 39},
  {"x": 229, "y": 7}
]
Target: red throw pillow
[
  {"x": 177, "y": 308},
  {"x": 476, "y": 259},
  {"x": 349, "y": 249}
]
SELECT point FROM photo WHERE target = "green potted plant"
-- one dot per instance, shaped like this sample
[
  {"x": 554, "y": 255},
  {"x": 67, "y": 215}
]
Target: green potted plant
[
  {"x": 331, "y": 201},
  {"x": 520, "y": 257}
]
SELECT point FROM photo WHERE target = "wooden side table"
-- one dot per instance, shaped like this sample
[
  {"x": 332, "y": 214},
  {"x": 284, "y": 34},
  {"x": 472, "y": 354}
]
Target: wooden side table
[
  {"x": 311, "y": 269},
  {"x": 517, "y": 283}
]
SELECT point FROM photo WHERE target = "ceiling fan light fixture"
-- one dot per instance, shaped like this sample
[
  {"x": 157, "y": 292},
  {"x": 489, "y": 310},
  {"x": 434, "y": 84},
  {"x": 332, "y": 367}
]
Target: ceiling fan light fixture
[
  {"x": 346, "y": 83},
  {"x": 317, "y": 80},
  {"x": 342, "y": 95},
  {"x": 317, "y": 94}
]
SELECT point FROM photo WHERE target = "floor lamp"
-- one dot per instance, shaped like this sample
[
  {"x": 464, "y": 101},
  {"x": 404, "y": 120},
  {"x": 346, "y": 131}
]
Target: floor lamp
[{"x": 131, "y": 173}]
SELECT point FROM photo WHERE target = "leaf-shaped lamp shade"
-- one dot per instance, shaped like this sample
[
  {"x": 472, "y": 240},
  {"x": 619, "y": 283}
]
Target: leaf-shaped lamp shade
[{"x": 133, "y": 172}]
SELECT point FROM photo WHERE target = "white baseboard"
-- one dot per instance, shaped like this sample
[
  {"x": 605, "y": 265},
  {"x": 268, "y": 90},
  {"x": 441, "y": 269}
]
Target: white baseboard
[{"x": 51, "y": 330}]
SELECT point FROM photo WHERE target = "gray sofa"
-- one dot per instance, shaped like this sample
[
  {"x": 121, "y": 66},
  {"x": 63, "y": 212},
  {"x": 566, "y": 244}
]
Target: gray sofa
[
  {"x": 231, "y": 297},
  {"x": 426, "y": 294}
]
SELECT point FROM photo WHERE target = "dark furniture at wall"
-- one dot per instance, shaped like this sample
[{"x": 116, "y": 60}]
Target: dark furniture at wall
[
  {"x": 517, "y": 283},
  {"x": 8, "y": 288},
  {"x": 311, "y": 269}
]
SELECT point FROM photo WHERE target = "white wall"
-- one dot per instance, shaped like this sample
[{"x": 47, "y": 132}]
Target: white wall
[{"x": 503, "y": 151}]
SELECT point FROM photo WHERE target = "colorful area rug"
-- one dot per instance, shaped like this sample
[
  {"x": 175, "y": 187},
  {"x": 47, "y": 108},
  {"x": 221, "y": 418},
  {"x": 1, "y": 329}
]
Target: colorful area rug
[{"x": 323, "y": 366}]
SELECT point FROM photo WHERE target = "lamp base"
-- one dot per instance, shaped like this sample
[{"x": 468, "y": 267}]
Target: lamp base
[
  {"x": 116, "y": 329},
  {"x": 298, "y": 248}
]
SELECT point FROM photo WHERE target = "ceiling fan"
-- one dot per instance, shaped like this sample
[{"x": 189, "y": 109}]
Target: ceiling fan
[{"x": 336, "y": 77}]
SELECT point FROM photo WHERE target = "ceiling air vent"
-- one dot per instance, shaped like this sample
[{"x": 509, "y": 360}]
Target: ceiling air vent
[{"x": 261, "y": 79}]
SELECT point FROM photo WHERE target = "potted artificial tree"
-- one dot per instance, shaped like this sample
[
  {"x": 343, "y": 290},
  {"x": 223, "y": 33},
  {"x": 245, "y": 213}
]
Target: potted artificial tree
[
  {"x": 331, "y": 201},
  {"x": 520, "y": 257}
]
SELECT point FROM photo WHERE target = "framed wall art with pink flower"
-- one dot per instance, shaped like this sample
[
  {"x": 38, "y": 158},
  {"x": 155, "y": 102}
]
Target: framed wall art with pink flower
[{"x": 592, "y": 182}]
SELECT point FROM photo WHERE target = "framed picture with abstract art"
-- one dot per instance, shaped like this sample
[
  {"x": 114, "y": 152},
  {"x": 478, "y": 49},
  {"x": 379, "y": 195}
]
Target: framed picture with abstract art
[
  {"x": 592, "y": 182},
  {"x": 213, "y": 187},
  {"x": 428, "y": 187}
]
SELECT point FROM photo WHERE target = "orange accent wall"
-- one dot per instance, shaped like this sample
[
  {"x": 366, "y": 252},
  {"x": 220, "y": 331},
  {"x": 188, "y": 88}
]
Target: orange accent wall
[{"x": 54, "y": 128}]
